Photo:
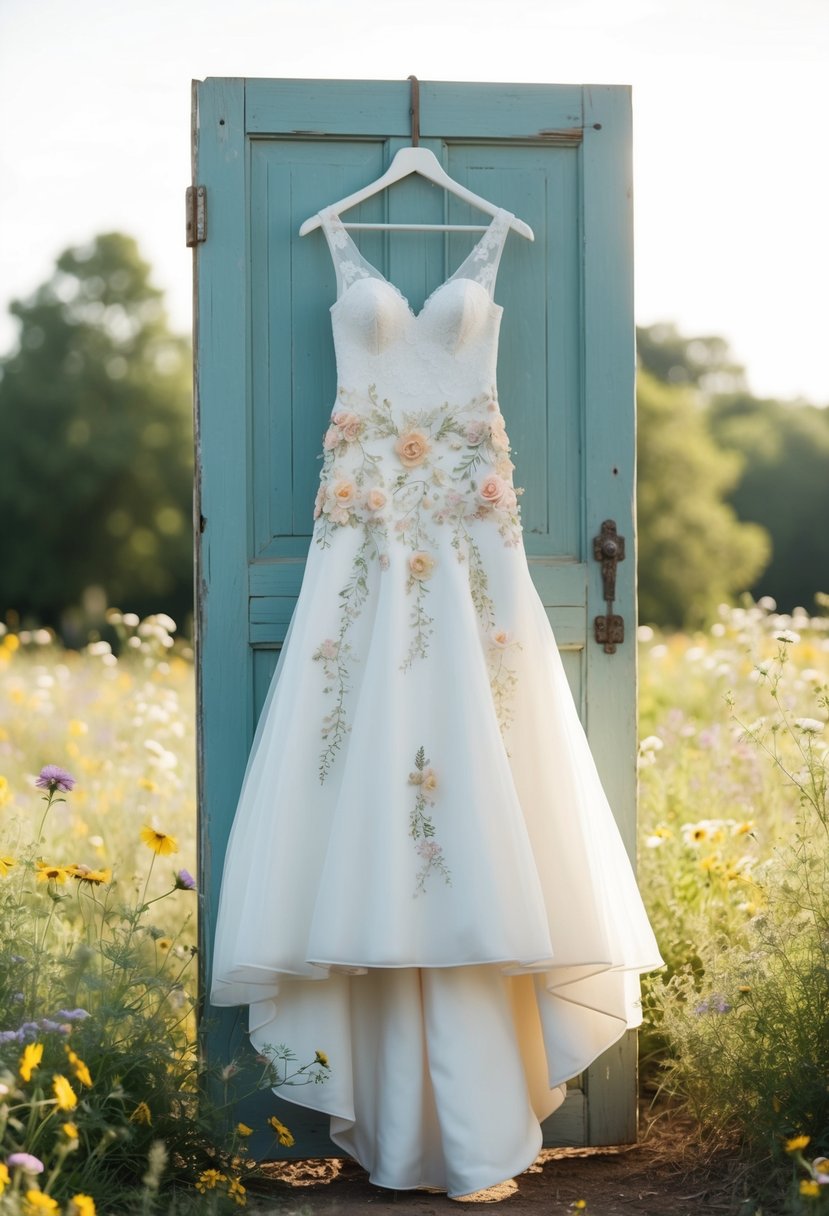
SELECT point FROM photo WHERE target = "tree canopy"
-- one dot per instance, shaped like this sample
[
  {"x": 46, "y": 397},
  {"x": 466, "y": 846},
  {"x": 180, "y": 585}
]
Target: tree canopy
[
  {"x": 96, "y": 447},
  {"x": 694, "y": 553}
]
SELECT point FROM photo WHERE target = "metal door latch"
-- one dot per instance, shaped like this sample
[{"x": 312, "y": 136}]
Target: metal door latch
[{"x": 609, "y": 548}]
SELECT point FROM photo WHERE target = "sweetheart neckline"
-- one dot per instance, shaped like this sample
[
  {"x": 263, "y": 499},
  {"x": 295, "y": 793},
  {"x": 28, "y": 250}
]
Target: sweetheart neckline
[
  {"x": 328, "y": 214},
  {"x": 416, "y": 316}
]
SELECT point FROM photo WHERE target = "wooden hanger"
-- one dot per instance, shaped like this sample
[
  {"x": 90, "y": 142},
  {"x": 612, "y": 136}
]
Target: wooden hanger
[{"x": 417, "y": 160}]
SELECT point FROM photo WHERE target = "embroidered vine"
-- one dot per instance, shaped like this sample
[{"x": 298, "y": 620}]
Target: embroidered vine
[
  {"x": 421, "y": 824},
  {"x": 503, "y": 680},
  {"x": 333, "y": 655}
]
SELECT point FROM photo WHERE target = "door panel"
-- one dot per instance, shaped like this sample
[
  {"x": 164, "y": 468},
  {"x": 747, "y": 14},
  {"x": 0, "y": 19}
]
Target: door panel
[{"x": 270, "y": 153}]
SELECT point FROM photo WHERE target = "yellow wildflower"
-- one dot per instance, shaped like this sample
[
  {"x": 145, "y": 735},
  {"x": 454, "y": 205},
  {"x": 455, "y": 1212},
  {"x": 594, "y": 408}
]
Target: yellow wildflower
[
  {"x": 141, "y": 1114},
  {"x": 82, "y": 1205},
  {"x": 709, "y": 863},
  {"x": 52, "y": 873},
  {"x": 79, "y": 1068},
  {"x": 11, "y": 642},
  {"x": 6, "y": 864},
  {"x": 93, "y": 877},
  {"x": 36, "y": 1202},
  {"x": 321, "y": 1058},
  {"x": 809, "y": 1188},
  {"x": 4, "y": 1177},
  {"x": 742, "y": 829},
  {"x": 70, "y": 1130},
  {"x": 796, "y": 1143},
  {"x": 237, "y": 1192},
  {"x": 76, "y": 727},
  {"x": 208, "y": 1180},
  {"x": 242, "y": 1129},
  {"x": 32, "y": 1055},
  {"x": 158, "y": 841},
  {"x": 283, "y": 1135},
  {"x": 145, "y": 783},
  {"x": 65, "y": 1095},
  {"x": 164, "y": 943}
]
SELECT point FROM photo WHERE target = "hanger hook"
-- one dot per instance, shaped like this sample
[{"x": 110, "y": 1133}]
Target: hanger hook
[{"x": 414, "y": 110}]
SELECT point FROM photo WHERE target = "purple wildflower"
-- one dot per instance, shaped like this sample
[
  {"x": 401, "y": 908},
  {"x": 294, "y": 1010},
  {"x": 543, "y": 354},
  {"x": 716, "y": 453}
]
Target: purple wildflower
[
  {"x": 73, "y": 1015},
  {"x": 185, "y": 881},
  {"x": 8, "y": 1036},
  {"x": 713, "y": 1004},
  {"x": 53, "y": 777},
  {"x": 25, "y": 1161}
]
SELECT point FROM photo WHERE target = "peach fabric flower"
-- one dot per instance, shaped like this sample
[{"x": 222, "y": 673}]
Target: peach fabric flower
[
  {"x": 412, "y": 449},
  {"x": 350, "y": 425},
  {"x": 498, "y": 435},
  {"x": 421, "y": 565},
  {"x": 375, "y": 500},
  {"x": 429, "y": 784},
  {"x": 492, "y": 490},
  {"x": 343, "y": 492},
  {"x": 500, "y": 638}
]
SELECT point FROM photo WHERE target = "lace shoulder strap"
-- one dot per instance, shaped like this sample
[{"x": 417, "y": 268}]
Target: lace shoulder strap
[
  {"x": 349, "y": 263},
  {"x": 482, "y": 263}
]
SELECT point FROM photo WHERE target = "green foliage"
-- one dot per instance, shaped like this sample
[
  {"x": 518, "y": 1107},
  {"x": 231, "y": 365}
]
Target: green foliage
[
  {"x": 694, "y": 553},
  {"x": 784, "y": 486},
  {"x": 96, "y": 442},
  {"x": 739, "y": 898}
]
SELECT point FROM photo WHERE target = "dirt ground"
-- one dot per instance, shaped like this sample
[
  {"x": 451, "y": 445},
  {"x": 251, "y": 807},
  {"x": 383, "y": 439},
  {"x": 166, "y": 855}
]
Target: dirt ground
[{"x": 668, "y": 1173}]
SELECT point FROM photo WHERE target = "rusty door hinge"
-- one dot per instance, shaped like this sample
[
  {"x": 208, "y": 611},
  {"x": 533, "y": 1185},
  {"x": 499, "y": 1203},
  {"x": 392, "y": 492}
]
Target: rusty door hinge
[
  {"x": 609, "y": 549},
  {"x": 196, "y": 207}
]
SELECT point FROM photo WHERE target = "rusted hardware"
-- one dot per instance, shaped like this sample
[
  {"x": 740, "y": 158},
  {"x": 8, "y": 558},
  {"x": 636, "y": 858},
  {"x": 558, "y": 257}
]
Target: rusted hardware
[
  {"x": 196, "y": 206},
  {"x": 609, "y": 549}
]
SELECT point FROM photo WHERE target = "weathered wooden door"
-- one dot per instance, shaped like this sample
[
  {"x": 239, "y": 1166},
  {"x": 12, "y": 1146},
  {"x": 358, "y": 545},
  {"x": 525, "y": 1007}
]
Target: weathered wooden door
[{"x": 269, "y": 153}]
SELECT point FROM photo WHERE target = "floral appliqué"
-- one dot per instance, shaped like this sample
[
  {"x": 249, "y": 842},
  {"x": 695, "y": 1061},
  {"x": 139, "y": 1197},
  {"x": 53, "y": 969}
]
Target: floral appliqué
[
  {"x": 453, "y": 468},
  {"x": 421, "y": 824},
  {"x": 503, "y": 680}
]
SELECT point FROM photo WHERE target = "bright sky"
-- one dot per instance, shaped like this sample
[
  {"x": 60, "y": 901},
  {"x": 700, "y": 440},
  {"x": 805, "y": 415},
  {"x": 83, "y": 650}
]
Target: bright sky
[{"x": 731, "y": 102}]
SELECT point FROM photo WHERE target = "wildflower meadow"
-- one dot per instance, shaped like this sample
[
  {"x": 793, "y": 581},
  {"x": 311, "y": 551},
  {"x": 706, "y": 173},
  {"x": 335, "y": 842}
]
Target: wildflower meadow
[
  {"x": 103, "y": 1104},
  {"x": 103, "y": 1100},
  {"x": 734, "y": 866}
]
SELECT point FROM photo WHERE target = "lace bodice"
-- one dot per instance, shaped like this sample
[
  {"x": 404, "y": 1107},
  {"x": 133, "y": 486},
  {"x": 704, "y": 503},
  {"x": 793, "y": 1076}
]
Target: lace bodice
[{"x": 447, "y": 351}]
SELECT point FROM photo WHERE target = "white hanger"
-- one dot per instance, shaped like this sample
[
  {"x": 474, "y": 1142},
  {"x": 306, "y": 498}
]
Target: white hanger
[{"x": 422, "y": 161}]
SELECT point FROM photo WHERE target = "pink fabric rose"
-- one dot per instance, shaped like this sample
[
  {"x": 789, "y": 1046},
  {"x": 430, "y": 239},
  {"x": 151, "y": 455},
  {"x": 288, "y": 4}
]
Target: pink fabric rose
[{"x": 492, "y": 490}]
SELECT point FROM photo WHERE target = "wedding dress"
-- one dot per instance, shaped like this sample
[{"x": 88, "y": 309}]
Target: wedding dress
[{"x": 424, "y": 879}]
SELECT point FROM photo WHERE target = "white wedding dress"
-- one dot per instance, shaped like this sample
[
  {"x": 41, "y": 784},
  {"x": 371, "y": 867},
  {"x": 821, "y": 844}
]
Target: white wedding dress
[{"x": 424, "y": 879}]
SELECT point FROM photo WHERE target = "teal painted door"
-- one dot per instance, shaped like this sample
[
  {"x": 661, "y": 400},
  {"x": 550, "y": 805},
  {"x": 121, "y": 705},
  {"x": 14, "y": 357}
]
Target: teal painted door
[{"x": 272, "y": 152}]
